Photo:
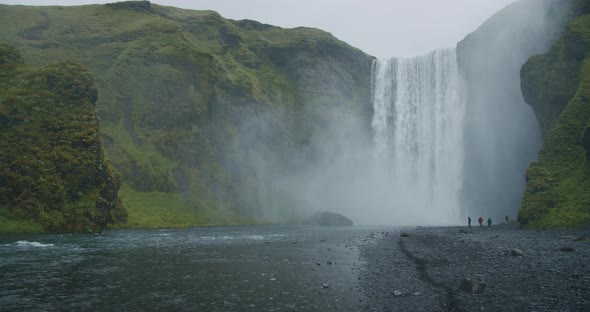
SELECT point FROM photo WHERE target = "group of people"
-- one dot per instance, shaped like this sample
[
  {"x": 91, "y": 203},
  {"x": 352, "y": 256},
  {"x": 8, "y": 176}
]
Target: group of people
[{"x": 480, "y": 220}]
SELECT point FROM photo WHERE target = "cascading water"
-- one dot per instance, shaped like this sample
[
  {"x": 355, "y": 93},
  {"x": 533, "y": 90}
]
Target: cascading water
[{"x": 418, "y": 127}]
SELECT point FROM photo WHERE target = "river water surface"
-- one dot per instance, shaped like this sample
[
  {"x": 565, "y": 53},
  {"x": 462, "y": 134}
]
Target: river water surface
[{"x": 268, "y": 268}]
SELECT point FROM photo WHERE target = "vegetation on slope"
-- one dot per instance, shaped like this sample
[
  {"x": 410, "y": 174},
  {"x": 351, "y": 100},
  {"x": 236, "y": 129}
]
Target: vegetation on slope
[
  {"x": 53, "y": 172},
  {"x": 501, "y": 134},
  {"x": 189, "y": 100},
  {"x": 557, "y": 86}
]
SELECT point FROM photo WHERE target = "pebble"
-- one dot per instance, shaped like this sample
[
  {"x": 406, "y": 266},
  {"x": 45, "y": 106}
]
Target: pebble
[{"x": 512, "y": 278}]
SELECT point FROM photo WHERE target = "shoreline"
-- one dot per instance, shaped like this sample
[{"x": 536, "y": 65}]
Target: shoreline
[{"x": 423, "y": 271}]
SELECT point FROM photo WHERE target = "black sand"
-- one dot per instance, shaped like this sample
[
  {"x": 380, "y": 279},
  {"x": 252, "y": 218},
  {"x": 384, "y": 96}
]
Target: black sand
[{"x": 423, "y": 271}]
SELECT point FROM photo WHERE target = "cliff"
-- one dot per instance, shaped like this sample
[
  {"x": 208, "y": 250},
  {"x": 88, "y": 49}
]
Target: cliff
[
  {"x": 501, "y": 134},
  {"x": 53, "y": 173},
  {"x": 194, "y": 107},
  {"x": 557, "y": 85}
]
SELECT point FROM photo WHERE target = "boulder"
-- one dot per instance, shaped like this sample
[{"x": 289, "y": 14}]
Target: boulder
[
  {"x": 326, "y": 218},
  {"x": 472, "y": 286},
  {"x": 517, "y": 252}
]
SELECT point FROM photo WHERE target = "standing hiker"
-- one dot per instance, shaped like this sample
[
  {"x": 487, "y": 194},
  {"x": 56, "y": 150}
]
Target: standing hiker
[
  {"x": 469, "y": 221},
  {"x": 490, "y": 223},
  {"x": 506, "y": 218},
  {"x": 480, "y": 220}
]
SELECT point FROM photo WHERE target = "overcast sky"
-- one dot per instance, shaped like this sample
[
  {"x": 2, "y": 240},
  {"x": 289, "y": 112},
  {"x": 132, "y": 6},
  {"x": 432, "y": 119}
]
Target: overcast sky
[{"x": 382, "y": 28}]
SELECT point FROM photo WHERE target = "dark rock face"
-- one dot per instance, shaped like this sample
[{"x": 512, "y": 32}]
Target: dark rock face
[
  {"x": 326, "y": 218},
  {"x": 52, "y": 166}
]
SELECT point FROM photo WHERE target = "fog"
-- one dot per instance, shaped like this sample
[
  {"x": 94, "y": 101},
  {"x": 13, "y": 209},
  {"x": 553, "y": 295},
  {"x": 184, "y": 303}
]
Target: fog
[
  {"x": 502, "y": 135},
  {"x": 340, "y": 170}
]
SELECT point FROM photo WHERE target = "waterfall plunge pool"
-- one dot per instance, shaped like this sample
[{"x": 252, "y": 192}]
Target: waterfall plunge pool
[{"x": 259, "y": 268}]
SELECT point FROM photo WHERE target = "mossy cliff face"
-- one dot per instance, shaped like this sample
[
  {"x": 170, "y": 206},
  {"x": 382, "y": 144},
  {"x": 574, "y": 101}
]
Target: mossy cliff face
[
  {"x": 186, "y": 95},
  {"x": 557, "y": 86},
  {"x": 501, "y": 134},
  {"x": 53, "y": 171}
]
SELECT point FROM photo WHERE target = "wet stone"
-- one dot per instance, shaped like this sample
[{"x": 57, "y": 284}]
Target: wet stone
[{"x": 472, "y": 286}]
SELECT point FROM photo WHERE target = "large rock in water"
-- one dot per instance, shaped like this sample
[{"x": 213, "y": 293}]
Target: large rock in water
[{"x": 326, "y": 218}]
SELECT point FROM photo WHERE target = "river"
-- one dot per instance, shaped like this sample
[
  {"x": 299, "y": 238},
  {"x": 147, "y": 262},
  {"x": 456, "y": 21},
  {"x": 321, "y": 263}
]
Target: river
[{"x": 258, "y": 268}]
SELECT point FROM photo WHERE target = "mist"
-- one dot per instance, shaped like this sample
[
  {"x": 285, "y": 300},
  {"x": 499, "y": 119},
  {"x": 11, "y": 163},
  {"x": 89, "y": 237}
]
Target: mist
[
  {"x": 502, "y": 135},
  {"x": 444, "y": 175},
  {"x": 342, "y": 169}
]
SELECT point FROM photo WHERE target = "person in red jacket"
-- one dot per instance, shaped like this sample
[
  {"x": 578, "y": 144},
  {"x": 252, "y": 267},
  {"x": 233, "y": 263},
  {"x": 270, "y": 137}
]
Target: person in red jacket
[{"x": 480, "y": 220}]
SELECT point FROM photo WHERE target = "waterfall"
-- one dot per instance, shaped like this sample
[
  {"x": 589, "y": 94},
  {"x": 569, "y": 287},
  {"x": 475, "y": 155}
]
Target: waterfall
[{"x": 418, "y": 127}]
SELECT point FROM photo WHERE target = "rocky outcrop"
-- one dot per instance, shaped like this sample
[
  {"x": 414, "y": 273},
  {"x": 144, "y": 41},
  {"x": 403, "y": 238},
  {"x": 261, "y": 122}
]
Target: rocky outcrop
[
  {"x": 326, "y": 218},
  {"x": 557, "y": 85},
  {"x": 53, "y": 170}
]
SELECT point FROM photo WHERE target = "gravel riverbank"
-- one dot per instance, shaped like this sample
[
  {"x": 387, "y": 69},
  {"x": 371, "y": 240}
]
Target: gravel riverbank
[{"x": 423, "y": 271}]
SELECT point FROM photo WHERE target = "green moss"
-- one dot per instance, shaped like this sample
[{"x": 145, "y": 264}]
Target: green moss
[
  {"x": 10, "y": 224},
  {"x": 557, "y": 85},
  {"x": 549, "y": 81},
  {"x": 52, "y": 168}
]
